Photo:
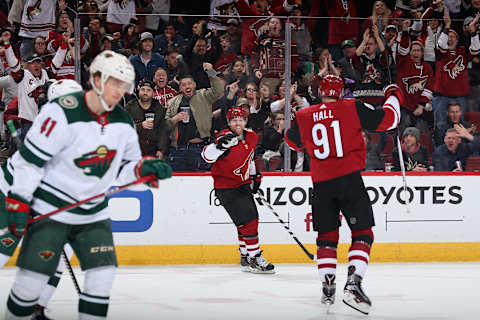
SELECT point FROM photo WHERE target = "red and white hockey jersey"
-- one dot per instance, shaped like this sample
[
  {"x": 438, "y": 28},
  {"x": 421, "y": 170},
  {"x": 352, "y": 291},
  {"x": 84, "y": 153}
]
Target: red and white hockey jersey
[
  {"x": 63, "y": 64},
  {"x": 451, "y": 75},
  {"x": 331, "y": 134},
  {"x": 416, "y": 80},
  {"x": 253, "y": 28},
  {"x": 38, "y": 18},
  {"x": 232, "y": 168}
]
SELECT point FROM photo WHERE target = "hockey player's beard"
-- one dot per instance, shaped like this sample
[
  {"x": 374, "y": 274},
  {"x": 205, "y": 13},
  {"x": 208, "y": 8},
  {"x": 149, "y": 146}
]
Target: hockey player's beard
[{"x": 238, "y": 131}]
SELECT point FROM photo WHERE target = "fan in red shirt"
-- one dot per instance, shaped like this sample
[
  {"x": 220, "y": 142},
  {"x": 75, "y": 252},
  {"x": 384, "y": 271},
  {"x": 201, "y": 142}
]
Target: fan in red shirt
[
  {"x": 415, "y": 77},
  {"x": 235, "y": 181},
  {"x": 253, "y": 28},
  {"x": 331, "y": 134}
]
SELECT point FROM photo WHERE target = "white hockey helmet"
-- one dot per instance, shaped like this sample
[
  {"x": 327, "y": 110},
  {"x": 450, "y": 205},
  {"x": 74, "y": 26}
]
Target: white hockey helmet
[
  {"x": 115, "y": 65},
  {"x": 62, "y": 87}
]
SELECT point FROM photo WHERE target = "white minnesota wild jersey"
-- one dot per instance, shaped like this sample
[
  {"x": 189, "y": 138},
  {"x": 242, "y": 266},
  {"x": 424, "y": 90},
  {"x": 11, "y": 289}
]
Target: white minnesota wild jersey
[{"x": 71, "y": 154}]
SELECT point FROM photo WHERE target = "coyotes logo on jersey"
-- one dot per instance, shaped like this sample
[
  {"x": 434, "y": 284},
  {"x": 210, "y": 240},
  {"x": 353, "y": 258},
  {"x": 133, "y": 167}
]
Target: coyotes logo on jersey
[
  {"x": 454, "y": 67},
  {"x": 371, "y": 75},
  {"x": 34, "y": 10},
  {"x": 414, "y": 84},
  {"x": 226, "y": 9},
  {"x": 260, "y": 26},
  {"x": 244, "y": 170},
  {"x": 96, "y": 163},
  {"x": 122, "y": 3}
]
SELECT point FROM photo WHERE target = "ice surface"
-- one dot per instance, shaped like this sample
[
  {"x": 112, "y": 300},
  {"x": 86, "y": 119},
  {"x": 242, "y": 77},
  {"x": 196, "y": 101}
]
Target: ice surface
[{"x": 423, "y": 291}]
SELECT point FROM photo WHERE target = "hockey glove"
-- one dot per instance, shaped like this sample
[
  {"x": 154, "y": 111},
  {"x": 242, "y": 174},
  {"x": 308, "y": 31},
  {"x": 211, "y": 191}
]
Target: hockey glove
[
  {"x": 226, "y": 141},
  {"x": 393, "y": 90},
  {"x": 153, "y": 166},
  {"x": 18, "y": 210},
  {"x": 256, "y": 181}
]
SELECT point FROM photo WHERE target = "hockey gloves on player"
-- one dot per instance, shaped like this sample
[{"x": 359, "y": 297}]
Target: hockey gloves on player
[
  {"x": 18, "y": 210},
  {"x": 226, "y": 141},
  {"x": 256, "y": 181},
  {"x": 153, "y": 166},
  {"x": 393, "y": 90}
]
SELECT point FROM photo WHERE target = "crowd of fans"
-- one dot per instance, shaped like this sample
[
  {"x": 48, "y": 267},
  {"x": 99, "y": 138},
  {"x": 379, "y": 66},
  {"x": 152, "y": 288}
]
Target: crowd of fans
[{"x": 192, "y": 65}]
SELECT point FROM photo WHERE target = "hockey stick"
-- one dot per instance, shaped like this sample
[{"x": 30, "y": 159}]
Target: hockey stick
[
  {"x": 261, "y": 197},
  {"x": 400, "y": 153},
  {"x": 104, "y": 194},
  {"x": 404, "y": 176},
  {"x": 70, "y": 271}
]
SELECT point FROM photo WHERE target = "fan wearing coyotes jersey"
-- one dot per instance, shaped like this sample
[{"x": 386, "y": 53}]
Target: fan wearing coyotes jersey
[
  {"x": 78, "y": 146},
  {"x": 63, "y": 64},
  {"x": 233, "y": 173},
  {"x": 451, "y": 73},
  {"x": 415, "y": 77},
  {"x": 331, "y": 134}
]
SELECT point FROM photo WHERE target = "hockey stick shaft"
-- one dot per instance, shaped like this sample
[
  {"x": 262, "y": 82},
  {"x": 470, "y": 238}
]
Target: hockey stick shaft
[
  {"x": 404, "y": 175},
  {"x": 104, "y": 194},
  {"x": 70, "y": 271},
  {"x": 262, "y": 198}
]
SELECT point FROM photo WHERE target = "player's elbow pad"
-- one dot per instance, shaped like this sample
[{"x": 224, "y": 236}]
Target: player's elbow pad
[{"x": 392, "y": 106}]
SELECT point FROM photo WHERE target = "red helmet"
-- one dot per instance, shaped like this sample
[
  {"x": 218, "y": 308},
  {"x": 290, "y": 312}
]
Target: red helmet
[
  {"x": 331, "y": 86},
  {"x": 236, "y": 112}
]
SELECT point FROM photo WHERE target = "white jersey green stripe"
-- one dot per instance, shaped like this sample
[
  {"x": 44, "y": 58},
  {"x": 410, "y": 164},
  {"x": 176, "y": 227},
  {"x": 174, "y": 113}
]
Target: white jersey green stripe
[{"x": 69, "y": 155}]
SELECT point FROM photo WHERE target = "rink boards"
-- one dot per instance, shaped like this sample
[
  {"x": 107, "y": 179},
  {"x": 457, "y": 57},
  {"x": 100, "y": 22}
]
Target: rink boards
[{"x": 183, "y": 223}]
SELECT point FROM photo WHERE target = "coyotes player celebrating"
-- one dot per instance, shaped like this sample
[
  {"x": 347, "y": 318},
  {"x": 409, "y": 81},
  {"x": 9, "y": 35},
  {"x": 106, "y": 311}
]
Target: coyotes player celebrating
[
  {"x": 331, "y": 134},
  {"x": 77, "y": 147},
  {"x": 233, "y": 172}
]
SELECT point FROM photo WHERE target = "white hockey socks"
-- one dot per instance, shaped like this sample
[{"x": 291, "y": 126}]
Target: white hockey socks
[
  {"x": 94, "y": 300},
  {"x": 3, "y": 259},
  {"x": 24, "y": 294}
]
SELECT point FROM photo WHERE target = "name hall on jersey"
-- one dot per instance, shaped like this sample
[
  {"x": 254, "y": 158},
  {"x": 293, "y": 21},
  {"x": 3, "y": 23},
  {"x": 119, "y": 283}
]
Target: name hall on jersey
[{"x": 322, "y": 115}]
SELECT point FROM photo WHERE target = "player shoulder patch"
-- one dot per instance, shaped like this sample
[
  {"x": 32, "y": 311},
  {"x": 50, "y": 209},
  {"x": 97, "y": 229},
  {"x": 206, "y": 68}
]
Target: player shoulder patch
[{"x": 68, "y": 102}]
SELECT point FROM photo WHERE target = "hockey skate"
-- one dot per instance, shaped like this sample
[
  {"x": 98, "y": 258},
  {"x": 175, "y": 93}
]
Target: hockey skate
[
  {"x": 328, "y": 290},
  {"x": 245, "y": 265},
  {"x": 39, "y": 313},
  {"x": 354, "y": 296},
  {"x": 258, "y": 264}
]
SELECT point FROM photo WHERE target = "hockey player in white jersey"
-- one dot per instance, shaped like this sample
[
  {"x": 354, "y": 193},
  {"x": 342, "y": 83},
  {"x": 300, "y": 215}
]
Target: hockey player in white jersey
[
  {"x": 56, "y": 89},
  {"x": 77, "y": 147},
  {"x": 8, "y": 240}
]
